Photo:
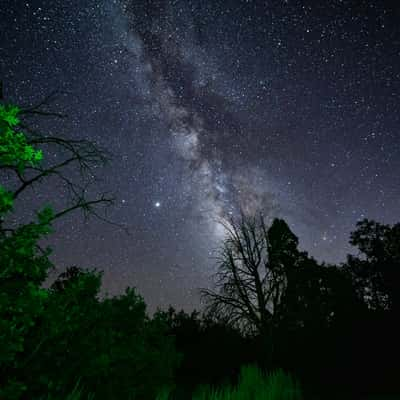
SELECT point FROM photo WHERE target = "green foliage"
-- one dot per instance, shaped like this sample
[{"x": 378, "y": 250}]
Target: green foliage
[
  {"x": 69, "y": 313},
  {"x": 253, "y": 385},
  {"x": 165, "y": 392},
  {"x": 23, "y": 267},
  {"x": 137, "y": 356},
  {"x": 111, "y": 344},
  {"x": 22, "y": 270},
  {"x": 8, "y": 114},
  {"x": 14, "y": 149},
  {"x": 6, "y": 201}
]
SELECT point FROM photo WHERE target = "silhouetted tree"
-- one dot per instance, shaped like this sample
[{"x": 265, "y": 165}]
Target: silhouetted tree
[
  {"x": 67, "y": 278},
  {"x": 375, "y": 273},
  {"x": 256, "y": 269},
  {"x": 376, "y": 270},
  {"x": 212, "y": 352}
]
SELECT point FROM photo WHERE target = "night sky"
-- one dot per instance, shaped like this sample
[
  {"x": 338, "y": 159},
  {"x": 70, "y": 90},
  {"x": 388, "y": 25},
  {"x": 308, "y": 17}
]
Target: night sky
[{"x": 289, "y": 107}]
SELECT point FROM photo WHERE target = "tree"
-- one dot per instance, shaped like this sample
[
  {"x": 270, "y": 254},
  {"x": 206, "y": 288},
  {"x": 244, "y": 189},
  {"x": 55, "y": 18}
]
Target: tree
[
  {"x": 23, "y": 263},
  {"x": 277, "y": 294},
  {"x": 376, "y": 270},
  {"x": 26, "y": 171},
  {"x": 256, "y": 280},
  {"x": 212, "y": 352},
  {"x": 111, "y": 345},
  {"x": 255, "y": 269},
  {"x": 22, "y": 267},
  {"x": 59, "y": 344},
  {"x": 375, "y": 273}
]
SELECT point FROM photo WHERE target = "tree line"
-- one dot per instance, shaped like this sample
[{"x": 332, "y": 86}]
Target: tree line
[{"x": 334, "y": 327}]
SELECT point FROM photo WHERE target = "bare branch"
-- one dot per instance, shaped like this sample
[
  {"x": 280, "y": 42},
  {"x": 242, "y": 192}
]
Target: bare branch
[
  {"x": 37, "y": 108},
  {"x": 86, "y": 206},
  {"x": 44, "y": 172},
  {"x": 84, "y": 154}
]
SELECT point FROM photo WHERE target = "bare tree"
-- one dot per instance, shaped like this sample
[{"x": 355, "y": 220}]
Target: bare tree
[{"x": 253, "y": 275}]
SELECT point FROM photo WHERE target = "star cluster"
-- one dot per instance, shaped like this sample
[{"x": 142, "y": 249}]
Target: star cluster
[{"x": 289, "y": 108}]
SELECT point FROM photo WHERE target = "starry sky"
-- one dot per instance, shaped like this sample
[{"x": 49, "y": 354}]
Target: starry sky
[{"x": 289, "y": 108}]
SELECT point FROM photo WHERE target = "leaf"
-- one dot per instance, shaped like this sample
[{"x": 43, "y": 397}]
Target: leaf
[
  {"x": 10, "y": 115},
  {"x": 46, "y": 215}
]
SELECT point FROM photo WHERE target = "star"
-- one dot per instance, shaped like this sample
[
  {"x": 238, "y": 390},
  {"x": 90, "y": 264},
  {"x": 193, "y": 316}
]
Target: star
[{"x": 157, "y": 204}]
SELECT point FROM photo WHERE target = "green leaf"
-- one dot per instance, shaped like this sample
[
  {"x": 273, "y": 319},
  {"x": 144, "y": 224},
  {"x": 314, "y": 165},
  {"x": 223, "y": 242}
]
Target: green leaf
[
  {"x": 10, "y": 115},
  {"x": 46, "y": 215},
  {"x": 6, "y": 200}
]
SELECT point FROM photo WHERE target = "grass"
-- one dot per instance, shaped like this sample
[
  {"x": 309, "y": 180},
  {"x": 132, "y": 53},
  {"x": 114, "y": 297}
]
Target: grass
[
  {"x": 75, "y": 394},
  {"x": 252, "y": 385}
]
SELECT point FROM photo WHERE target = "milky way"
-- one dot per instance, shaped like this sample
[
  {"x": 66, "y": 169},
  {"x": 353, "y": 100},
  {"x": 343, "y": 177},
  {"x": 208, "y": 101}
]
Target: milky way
[
  {"x": 179, "y": 76},
  {"x": 210, "y": 108}
]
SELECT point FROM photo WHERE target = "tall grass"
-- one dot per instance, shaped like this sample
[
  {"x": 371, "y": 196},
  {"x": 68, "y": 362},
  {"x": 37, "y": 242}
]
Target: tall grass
[
  {"x": 74, "y": 395},
  {"x": 252, "y": 385},
  {"x": 165, "y": 392}
]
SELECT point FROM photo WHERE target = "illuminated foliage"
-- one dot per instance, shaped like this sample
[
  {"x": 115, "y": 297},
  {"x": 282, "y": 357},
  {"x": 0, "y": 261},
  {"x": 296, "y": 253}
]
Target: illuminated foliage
[{"x": 23, "y": 266}]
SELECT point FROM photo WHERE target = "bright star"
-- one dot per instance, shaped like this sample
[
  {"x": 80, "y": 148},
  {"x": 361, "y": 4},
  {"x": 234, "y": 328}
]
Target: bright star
[{"x": 157, "y": 204}]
